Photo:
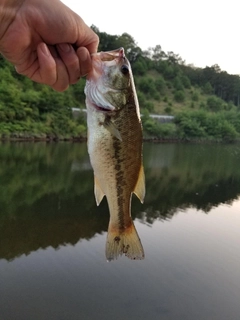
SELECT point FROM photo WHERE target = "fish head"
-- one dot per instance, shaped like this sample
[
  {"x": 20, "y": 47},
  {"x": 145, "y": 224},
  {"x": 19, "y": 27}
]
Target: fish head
[
  {"x": 108, "y": 84},
  {"x": 115, "y": 69}
]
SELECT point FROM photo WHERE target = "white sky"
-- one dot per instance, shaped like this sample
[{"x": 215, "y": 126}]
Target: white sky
[{"x": 202, "y": 32}]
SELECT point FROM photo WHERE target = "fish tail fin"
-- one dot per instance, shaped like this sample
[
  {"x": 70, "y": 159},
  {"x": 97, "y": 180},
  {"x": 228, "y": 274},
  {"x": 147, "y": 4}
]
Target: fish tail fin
[{"x": 125, "y": 241}]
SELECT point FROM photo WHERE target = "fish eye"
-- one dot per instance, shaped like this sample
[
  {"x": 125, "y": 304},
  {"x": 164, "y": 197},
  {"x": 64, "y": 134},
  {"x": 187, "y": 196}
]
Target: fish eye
[{"x": 124, "y": 69}]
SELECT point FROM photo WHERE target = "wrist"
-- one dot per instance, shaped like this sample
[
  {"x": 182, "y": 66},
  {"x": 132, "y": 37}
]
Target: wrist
[{"x": 8, "y": 11}]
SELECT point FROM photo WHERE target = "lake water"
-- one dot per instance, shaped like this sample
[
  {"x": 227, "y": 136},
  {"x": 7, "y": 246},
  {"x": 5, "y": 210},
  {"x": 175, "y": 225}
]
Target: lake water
[{"x": 52, "y": 236}]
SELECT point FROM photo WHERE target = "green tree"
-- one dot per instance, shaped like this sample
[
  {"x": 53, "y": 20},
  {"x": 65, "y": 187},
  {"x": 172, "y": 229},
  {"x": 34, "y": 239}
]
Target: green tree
[
  {"x": 185, "y": 81},
  {"x": 139, "y": 67},
  {"x": 177, "y": 83},
  {"x": 214, "y": 104},
  {"x": 195, "y": 96},
  {"x": 147, "y": 85},
  {"x": 207, "y": 88},
  {"x": 179, "y": 96}
]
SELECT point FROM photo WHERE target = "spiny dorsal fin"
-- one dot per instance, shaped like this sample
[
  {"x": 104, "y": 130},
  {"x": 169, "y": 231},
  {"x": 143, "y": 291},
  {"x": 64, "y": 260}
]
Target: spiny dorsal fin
[
  {"x": 109, "y": 125},
  {"x": 140, "y": 185},
  {"x": 98, "y": 191}
]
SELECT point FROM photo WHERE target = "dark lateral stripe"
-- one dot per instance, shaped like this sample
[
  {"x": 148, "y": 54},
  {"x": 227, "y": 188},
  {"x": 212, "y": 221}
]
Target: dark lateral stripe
[{"x": 119, "y": 182}]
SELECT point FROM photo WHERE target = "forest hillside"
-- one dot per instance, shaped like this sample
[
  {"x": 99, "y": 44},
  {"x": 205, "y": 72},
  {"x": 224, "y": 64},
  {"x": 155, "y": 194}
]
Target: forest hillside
[{"x": 205, "y": 102}]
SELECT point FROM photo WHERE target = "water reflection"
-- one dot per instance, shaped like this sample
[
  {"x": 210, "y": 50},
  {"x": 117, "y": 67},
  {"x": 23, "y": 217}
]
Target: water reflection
[{"x": 46, "y": 190}]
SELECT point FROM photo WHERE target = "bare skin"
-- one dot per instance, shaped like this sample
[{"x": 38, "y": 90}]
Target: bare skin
[{"x": 46, "y": 41}]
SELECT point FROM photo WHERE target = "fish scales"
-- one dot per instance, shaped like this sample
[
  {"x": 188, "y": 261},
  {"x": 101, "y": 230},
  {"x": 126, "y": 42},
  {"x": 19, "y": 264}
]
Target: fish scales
[
  {"x": 115, "y": 149},
  {"x": 127, "y": 161}
]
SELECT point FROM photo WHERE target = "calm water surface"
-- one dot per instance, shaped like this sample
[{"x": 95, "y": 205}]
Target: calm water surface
[{"x": 52, "y": 236}]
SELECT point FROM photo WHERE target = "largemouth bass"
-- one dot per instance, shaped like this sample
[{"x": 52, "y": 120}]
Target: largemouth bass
[{"x": 115, "y": 147}]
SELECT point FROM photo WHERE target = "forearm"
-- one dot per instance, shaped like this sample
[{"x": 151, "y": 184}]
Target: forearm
[{"x": 8, "y": 11}]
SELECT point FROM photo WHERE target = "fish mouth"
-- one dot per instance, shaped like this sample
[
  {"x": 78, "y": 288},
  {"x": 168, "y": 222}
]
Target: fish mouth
[
  {"x": 110, "y": 55},
  {"x": 108, "y": 58}
]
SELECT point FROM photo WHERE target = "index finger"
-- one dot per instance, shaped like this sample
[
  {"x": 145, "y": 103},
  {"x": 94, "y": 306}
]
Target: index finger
[{"x": 89, "y": 40}]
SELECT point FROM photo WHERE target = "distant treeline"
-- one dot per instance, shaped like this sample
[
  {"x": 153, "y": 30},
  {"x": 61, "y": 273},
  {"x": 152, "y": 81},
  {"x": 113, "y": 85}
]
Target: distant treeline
[
  {"x": 170, "y": 65},
  {"x": 205, "y": 101},
  {"x": 165, "y": 84}
]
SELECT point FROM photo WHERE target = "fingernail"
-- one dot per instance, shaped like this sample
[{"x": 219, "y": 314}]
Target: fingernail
[
  {"x": 45, "y": 49},
  {"x": 65, "y": 47}
]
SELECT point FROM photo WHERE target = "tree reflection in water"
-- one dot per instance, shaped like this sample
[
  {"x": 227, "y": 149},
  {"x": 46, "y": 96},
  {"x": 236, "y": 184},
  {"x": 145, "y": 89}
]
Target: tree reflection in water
[{"x": 46, "y": 190}]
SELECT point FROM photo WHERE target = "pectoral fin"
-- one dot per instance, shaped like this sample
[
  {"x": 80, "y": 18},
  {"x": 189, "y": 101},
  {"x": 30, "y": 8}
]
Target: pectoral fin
[
  {"x": 109, "y": 125},
  {"x": 98, "y": 191},
  {"x": 140, "y": 186}
]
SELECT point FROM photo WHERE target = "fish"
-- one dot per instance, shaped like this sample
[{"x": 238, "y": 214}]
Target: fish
[{"x": 115, "y": 147}]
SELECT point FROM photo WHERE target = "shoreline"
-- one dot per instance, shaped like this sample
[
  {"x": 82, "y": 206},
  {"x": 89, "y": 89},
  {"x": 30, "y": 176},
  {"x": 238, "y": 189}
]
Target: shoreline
[{"x": 145, "y": 139}]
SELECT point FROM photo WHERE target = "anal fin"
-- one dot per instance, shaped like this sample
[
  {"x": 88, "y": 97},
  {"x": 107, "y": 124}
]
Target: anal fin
[{"x": 99, "y": 194}]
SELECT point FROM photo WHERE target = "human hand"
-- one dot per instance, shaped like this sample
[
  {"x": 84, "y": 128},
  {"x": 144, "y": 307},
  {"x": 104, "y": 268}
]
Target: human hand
[{"x": 46, "y": 41}]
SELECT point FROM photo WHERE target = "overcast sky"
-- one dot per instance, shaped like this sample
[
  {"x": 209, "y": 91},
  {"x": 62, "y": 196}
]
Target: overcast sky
[{"x": 201, "y": 32}]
